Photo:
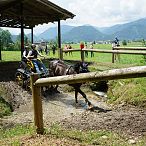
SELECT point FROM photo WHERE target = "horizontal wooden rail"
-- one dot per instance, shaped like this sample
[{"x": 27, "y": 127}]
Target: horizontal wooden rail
[
  {"x": 130, "y": 48},
  {"x": 132, "y": 72},
  {"x": 108, "y": 51}
]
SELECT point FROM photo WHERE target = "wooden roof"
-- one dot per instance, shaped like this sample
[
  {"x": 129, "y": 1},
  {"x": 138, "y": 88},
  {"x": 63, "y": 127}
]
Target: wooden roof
[{"x": 30, "y": 12}]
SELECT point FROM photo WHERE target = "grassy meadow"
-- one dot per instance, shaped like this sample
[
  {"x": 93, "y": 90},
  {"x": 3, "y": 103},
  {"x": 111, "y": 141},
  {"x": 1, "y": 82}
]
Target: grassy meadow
[
  {"x": 128, "y": 91},
  {"x": 98, "y": 57}
]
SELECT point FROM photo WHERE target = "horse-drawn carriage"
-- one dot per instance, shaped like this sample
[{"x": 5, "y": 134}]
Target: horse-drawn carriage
[
  {"x": 23, "y": 73},
  {"x": 56, "y": 68}
]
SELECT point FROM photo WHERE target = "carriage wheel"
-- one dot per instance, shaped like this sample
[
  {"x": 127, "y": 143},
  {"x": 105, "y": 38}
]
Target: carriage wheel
[
  {"x": 19, "y": 79},
  {"x": 27, "y": 85}
]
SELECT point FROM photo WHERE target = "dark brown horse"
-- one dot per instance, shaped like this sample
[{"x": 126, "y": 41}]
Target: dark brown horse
[{"x": 59, "y": 68}]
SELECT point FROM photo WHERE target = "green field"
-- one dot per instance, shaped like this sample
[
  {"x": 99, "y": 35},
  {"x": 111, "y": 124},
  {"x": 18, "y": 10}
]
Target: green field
[
  {"x": 126, "y": 92},
  {"x": 98, "y": 57}
]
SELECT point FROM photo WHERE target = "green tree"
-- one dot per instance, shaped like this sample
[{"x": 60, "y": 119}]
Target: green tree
[
  {"x": 17, "y": 44},
  {"x": 124, "y": 43},
  {"x": 6, "y": 40}
]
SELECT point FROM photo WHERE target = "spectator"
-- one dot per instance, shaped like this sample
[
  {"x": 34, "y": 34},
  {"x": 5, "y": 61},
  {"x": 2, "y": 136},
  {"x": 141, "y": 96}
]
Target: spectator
[
  {"x": 70, "y": 47},
  {"x": 46, "y": 50},
  {"x": 40, "y": 49},
  {"x": 86, "y": 52},
  {"x": 116, "y": 41},
  {"x": 66, "y": 48},
  {"x": 91, "y": 47},
  {"x": 54, "y": 49}
]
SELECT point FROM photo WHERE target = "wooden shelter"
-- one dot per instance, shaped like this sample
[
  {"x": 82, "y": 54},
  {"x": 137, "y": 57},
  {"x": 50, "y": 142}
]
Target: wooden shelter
[{"x": 29, "y": 13}]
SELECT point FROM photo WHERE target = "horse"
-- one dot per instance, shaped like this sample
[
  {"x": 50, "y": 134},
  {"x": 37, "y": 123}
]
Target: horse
[{"x": 59, "y": 68}]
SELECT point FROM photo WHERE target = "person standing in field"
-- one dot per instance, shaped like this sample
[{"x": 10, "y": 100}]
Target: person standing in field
[
  {"x": 46, "y": 49},
  {"x": 66, "y": 48},
  {"x": 91, "y": 47},
  {"x": 116, "y": 41},
  {"x": 54, "y": 50},
  {"x": 70, "y": 47},
  {"x": 86, "y": 52}
]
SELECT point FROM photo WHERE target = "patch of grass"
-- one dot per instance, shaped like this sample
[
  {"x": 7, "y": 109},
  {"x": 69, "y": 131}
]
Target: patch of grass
[
  {"x": 11, "y": 55},
  {"x": 129, "y": 91},
  {"x": 102, "y": 138},
  {"x": 5, "y": 110},
  {"x": 17, "y": 130},
  {"x": 13, "y": 135}
]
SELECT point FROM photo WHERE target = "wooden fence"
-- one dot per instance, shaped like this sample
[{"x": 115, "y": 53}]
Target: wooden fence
[
  {"x": 114, "y": 51},
  {"x": 36, "y": 84},
  {"x": 134, "y": 49}
]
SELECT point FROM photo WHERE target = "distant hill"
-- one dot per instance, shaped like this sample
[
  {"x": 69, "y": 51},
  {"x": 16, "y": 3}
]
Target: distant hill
[
  {"x": 83, "y": 33},
  {"x": 51, "y": 33},
  {"x": 130, "y": 31},
  {"x": 35, "y": 39},
  {"x": 14, "y": 37}
]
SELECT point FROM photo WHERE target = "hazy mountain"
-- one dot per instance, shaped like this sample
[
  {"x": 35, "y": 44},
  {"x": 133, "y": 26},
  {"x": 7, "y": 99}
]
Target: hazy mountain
[
  {"x": 132, "y": 30},
  {"x": 51, "y": 33},
  {"x": 14, "y": 37},
  {"x": 83, "y": 33},
  {"x": 35, "y": 38}
]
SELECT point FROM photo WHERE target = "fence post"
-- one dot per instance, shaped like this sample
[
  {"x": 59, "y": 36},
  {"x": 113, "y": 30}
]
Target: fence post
[
  {"x": 82, "y": 55},
  {"x": 0, "y": 48},
  {"x": 37, "y": 104},
  {"x": 113, "y": 56}
]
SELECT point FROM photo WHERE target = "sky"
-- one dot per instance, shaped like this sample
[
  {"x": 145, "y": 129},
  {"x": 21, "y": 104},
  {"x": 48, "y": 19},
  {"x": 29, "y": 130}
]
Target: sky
[{"x": 99, "y": 13}]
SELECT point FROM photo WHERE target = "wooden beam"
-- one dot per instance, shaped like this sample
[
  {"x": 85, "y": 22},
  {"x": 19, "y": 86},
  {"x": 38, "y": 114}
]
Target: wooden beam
[
  {"x": 109, "y": 51},
  {"x": 129, "y": 48},
  {"x": 22, "y": 30},
  {"x": 9, "y": 5},
  {"x": 32, "y": 35},
  {"x": 124, "y": 73},
  {"x": 0, "y": 48}
]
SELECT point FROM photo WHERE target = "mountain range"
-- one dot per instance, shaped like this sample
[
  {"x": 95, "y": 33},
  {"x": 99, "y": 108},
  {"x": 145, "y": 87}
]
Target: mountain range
[{"x": 128, "y": 31}]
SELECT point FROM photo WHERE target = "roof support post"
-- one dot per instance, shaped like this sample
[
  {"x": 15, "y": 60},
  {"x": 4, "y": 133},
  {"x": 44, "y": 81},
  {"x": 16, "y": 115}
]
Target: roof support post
[
  {"x": 22, "y": 30},
  {"x": 59, "y": 41},
  {"x": 0, "y": 48},
  {"x": 32, "y": 35}
]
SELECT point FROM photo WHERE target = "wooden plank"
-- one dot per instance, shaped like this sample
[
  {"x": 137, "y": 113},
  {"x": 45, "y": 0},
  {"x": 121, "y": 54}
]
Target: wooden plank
[
  {"x": 109, "y": 51},
  {"x": 129, "y": 48},
  {"x": 124, "y": 73}
]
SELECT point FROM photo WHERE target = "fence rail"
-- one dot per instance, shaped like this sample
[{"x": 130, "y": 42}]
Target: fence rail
[
  {"x": 36, "y": 84},
  {"x": 136, "y": 52},
  {"x": 129, "y": 48}
]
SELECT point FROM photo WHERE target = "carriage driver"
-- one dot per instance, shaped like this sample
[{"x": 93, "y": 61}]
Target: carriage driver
[
  {"x": 32, "y": 55},
  {"x": 25, "y": 53}
]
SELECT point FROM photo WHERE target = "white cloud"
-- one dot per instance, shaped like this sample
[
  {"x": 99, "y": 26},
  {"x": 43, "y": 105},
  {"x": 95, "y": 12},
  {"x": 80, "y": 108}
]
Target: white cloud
[
  {"x": 100, "y": 13},
  {"x": 103, "y": 12}
]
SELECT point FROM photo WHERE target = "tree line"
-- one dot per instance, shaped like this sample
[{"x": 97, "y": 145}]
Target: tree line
[{"x": 7, "y": 43}]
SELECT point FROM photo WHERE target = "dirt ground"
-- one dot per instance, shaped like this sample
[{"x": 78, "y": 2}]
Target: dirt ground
[{"x": 61, "y": 108}]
